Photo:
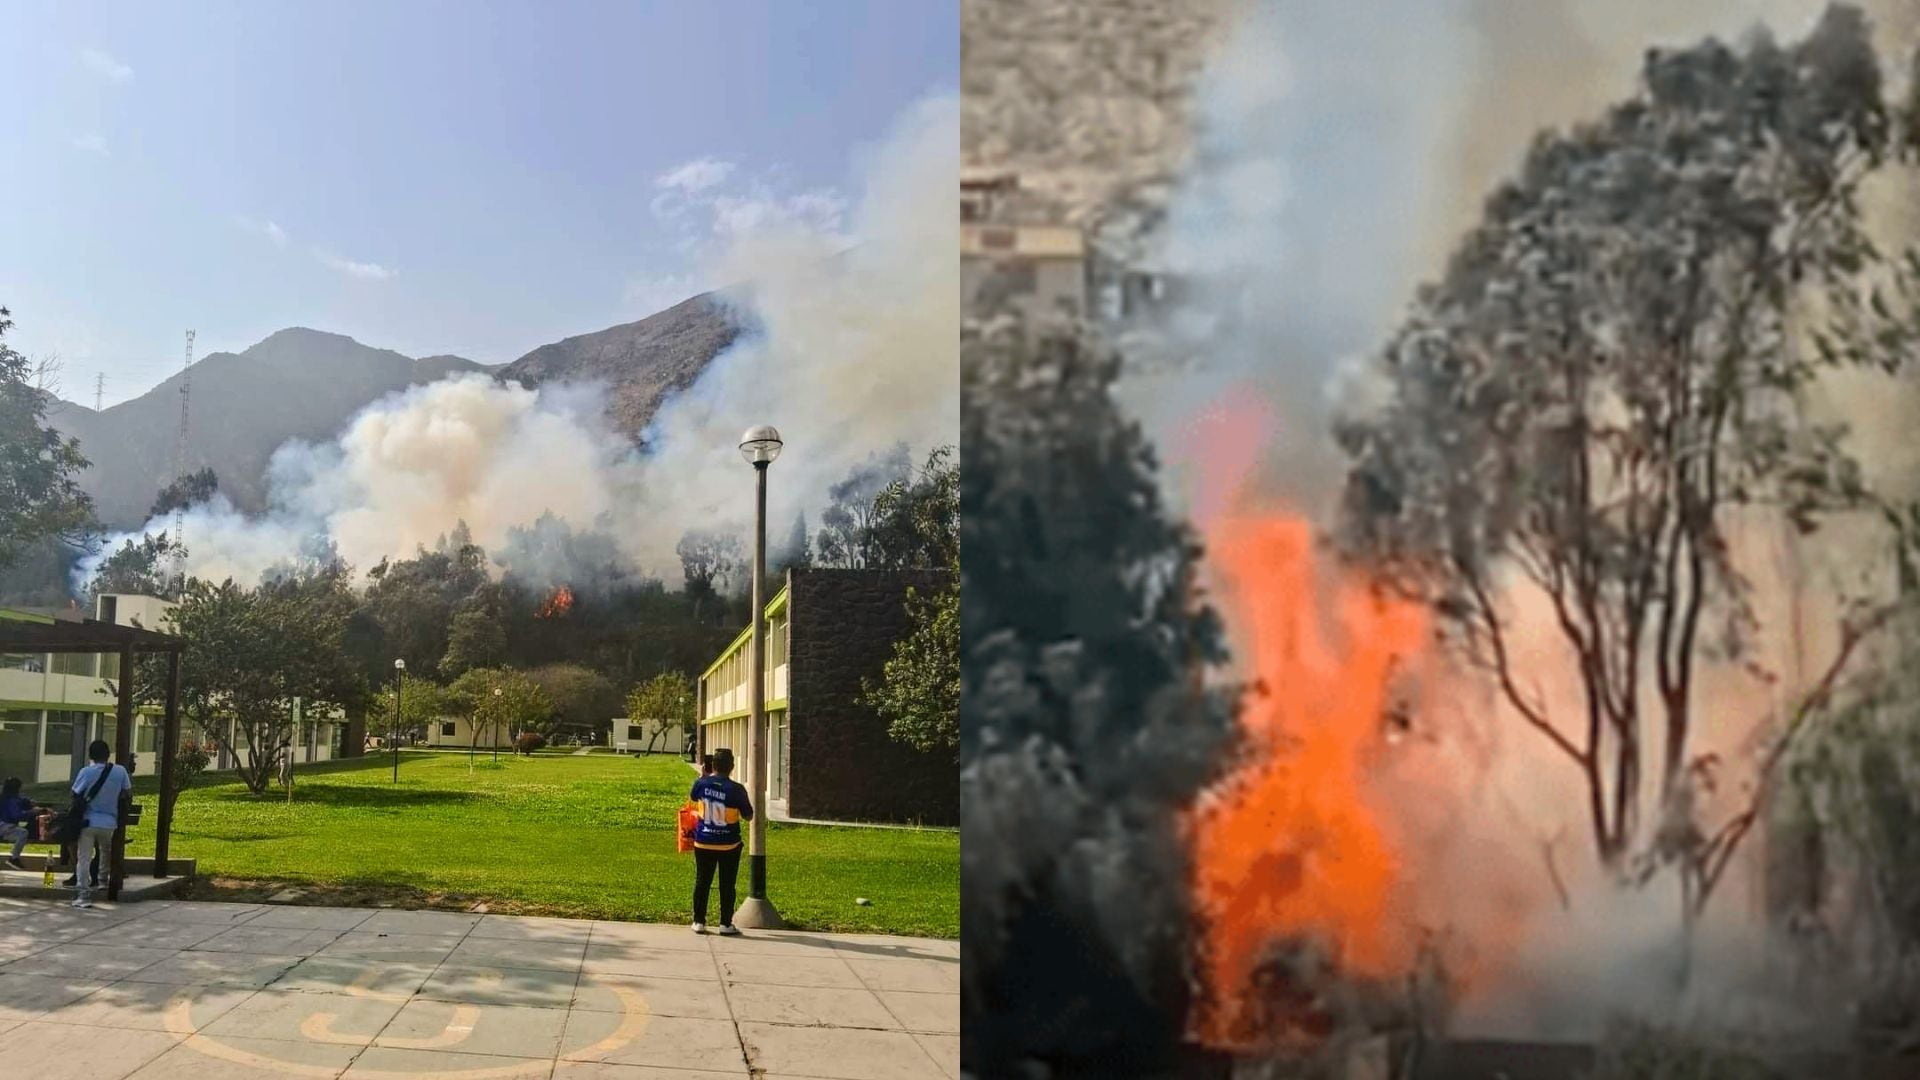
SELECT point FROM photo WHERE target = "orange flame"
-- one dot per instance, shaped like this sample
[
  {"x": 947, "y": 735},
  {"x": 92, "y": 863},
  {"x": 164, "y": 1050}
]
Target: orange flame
[
  {"x": 1294, "y": 847},
  {"x": 557, "y": 604}
]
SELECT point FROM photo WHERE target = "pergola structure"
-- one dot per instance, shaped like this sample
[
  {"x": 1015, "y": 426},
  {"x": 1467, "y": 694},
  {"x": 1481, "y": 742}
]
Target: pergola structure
[{"x": 48, "y": 635}]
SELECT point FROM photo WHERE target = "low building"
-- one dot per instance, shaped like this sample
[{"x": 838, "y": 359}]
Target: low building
[
  {"x": 53, "y": 705},
  {"x": 829, "y": 756},
  {"x": 643, "y": 736},
  {"x": 463, "y": 732},
  {"x": 1011, "y": 256}
]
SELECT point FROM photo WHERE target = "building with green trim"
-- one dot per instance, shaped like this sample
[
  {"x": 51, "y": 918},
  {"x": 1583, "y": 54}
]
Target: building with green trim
[
  {"x": 52, "y": 705},
  {"x": 829, "y": 756}
]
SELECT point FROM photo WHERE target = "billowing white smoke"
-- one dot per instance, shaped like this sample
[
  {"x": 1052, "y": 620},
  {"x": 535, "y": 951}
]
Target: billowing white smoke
[
  {"x": 860, "y": 350},
  {"x": 853, "y": 351},
  {"x": 411, "y": 467}
]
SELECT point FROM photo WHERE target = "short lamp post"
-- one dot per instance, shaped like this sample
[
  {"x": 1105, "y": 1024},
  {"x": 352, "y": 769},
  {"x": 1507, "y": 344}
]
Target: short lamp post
[
  {"x": 760, "y": 445},
  {"x": 399, "y": 686},
  {"x": 493, "y": 728}
]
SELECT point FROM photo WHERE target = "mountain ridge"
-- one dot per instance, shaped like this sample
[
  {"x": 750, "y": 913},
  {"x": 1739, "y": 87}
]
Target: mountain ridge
[{"x": 304, "y": 383}]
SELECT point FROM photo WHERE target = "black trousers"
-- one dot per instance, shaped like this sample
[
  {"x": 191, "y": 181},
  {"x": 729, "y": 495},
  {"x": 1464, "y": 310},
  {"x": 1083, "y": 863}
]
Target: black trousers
[{"x": 705, "y": 862}]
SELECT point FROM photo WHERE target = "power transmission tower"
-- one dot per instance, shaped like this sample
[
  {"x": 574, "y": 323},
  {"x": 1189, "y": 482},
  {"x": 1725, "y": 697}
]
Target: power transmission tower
[
  {"x": 180, "y": 455},
  {"x": 99, "y": 389}
]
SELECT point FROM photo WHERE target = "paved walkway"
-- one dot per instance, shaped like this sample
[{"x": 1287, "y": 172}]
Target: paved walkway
[{"x": 165, "y": 990}]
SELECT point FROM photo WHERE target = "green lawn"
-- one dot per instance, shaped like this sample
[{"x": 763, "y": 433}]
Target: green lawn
[{"x": 588, "y": 836}]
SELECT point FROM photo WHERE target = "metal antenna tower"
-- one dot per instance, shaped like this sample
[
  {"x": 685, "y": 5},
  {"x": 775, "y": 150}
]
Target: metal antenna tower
[
  {"x": 99, "y": 389},
  {"x": 180, "y": 446}
]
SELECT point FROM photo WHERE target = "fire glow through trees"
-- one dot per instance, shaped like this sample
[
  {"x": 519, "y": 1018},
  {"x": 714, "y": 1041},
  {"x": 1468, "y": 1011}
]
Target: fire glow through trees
[{"x": 557, "y": 604}]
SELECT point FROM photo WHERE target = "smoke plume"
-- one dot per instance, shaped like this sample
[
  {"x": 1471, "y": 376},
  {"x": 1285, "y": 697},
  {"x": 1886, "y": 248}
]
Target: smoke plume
[{"x": 854, "y": 349}]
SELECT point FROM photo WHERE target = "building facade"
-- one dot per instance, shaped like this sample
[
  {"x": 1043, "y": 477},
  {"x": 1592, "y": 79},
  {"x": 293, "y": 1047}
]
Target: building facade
[
  {"x": 461, "y": 732},
  {"x": 829, "y": 756},
  {"x": 53, "y": 705}
]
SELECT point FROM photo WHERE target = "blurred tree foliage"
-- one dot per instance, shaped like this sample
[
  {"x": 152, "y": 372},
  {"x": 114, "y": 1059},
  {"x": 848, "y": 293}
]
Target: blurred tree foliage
[{"x": 1084, "y": 728}]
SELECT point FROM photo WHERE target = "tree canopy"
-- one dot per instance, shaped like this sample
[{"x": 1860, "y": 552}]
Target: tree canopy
[{"x": 40, "y": 494}]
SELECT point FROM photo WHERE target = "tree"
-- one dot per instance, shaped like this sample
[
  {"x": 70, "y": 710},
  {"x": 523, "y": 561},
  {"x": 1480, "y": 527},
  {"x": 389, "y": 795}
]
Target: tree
[
  {"x": 477, "y": 638},
  {"x": 916, "y": 521},
  {"x": 918, "y": 693},
  {"x": 413, "y": 602},
  {"x": 420, "y": 704},
  {"x": 250, "y": 652},
  {"x": 795, "y": 551},
  {"x": 1082, "y": 645},
  {"x": 583, "y": 699},
  {"x": 521, "y": 704},
  {"x": 667, "y": 696},
  {"x": 189, "y": 490},
  {"x": 1607, "y": 382},
  {"x": 845, "y": 538},
  {"x": 708, "y": 560},
  {"x": 40, "y": 495},
  {"x": 138, "y": 567}
]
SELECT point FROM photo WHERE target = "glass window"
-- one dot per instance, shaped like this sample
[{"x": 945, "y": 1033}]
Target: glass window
[
  {"x": 143, "y": 736},
  {"x": 634, "y": 734},
  {"x": 59, "y": 737},
  {"x": 23, "y": 661},
  {"x": 73, "y": 663},
  {"x": 20, "y": 744},
  {"x": 447, "y": 728}
]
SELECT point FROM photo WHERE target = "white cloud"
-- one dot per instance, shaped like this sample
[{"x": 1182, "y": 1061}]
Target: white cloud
[
  {"x": 819, "y": 210},
  {"x": 269, "y": 229},
  {"x": 694, "y": 176},
  {"x": 92, "y": 142},
  {"x": 105, "y": 66},
  {"x": 369, "y": 271}
]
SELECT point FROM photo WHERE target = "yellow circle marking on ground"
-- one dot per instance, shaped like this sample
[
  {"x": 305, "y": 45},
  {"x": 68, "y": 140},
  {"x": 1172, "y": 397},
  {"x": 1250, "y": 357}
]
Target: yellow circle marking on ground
[{"x": 634, "y": 1017}]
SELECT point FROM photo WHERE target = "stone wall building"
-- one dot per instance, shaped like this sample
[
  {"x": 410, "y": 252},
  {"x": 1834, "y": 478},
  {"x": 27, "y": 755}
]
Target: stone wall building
[{"x": 830, "y": 757}]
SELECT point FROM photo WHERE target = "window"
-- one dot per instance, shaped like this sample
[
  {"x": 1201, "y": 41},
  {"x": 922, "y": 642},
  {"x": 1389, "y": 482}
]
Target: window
[
  {"x": 635, "y": 733},
  {"x": 447, "y": 727},
  {"x": 144, "y": 736},
  {"x": 72, "y": 664},
  {"x": 33, "y": 662},
  {"x": 19, "y": 729}
]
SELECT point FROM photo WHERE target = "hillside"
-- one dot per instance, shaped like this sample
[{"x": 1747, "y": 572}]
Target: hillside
[
  {"x": 642, "y": 361},
  {"x": 306, "y": 384}
]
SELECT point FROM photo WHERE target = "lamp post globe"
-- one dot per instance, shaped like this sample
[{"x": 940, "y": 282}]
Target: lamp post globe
[{"x": 760, "y": 446}]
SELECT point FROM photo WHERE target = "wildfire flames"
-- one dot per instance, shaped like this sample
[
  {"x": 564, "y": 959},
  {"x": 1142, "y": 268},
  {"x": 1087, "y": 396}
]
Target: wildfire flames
[
  {"x": 557, "y": 604},
  {"x": 1293, "y": 848}
]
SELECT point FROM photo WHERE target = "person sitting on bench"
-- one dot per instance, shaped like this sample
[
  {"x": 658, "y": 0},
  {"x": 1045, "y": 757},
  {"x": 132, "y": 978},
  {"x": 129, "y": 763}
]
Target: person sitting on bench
[{"x": 16, "y": 817}]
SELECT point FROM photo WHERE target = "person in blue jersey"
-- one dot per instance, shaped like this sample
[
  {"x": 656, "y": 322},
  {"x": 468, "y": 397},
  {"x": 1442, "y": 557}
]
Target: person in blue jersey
[
  {"x": 723, "y": 805},
  {"x": 104, "y": 783}
]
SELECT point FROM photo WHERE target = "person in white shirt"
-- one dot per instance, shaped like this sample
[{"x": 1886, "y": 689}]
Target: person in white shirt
[{"x": 103, "y": 815}]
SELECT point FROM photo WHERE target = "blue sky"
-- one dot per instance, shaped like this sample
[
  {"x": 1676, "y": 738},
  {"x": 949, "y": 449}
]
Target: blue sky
[{"x": 473, "y": 178}]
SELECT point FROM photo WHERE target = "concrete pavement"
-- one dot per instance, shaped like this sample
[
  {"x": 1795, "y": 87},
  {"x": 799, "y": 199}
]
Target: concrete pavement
[{"x": 160, "y": 990}]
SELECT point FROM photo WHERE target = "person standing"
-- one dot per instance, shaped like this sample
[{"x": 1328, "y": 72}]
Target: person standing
[
  {"x": 103, "y": 785},
  {"x": 723, "y": 805}
]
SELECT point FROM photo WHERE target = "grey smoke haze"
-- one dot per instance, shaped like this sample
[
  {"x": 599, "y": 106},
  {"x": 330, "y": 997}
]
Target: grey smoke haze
[
  {"x": 856, "y": 349},
  {"x": 1341, "y": 150}
]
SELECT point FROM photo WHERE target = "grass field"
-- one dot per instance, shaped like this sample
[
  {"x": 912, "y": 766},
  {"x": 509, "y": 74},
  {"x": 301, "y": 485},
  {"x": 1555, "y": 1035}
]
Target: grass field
[{"x": 586, "y": 836}]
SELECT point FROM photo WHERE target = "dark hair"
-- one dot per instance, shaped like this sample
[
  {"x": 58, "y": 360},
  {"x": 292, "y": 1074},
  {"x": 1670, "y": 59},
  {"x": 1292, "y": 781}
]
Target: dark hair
[
  {"x": 98, "y": 750},
  {"x": 11, "y": 787},
  {"x": 723, "y": 761},
  {"x": 706, "y": 763}
]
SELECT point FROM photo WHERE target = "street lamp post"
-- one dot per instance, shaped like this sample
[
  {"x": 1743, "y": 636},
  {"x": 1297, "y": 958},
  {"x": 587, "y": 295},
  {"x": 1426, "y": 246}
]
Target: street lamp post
[
  {"x": 760, "y": 445},
  {"x": 399, "y": 683},
  {"x": 493, "y": 727}
]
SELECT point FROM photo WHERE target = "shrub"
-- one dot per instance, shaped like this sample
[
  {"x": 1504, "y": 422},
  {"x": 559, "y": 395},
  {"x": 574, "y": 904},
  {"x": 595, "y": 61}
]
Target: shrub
[{"x": 529, "y": 741}]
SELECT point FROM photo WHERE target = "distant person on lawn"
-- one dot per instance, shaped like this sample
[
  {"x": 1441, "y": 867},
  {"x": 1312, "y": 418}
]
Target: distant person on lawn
[
  {"x": 723, "y": 805},
  {"x": 16, "y": 816},
  {"x": 103, "y": 816}
]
